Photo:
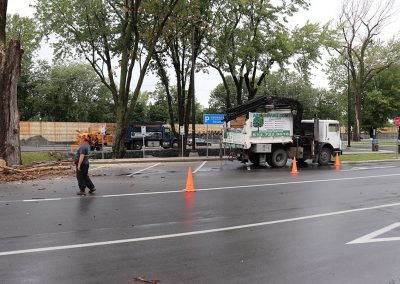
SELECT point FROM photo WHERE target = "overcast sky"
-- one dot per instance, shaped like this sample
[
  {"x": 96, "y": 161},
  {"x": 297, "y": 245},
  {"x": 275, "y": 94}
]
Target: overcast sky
[{"x": 320, "y": 11}]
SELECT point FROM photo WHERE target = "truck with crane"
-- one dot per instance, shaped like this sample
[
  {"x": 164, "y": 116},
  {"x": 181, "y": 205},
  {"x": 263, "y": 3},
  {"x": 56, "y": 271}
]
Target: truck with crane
[{"x": 271, "y": 129}]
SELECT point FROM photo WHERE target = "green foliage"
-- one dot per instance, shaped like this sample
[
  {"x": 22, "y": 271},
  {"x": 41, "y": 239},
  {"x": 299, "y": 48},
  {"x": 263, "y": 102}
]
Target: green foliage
[
  {"x": 316, "y": 102},
  {"x": 217, "y": 99},
  {"x": 70, "y": 92},
  {"x": 250, "y": 37},
  {"x": 26, "y": 31},
  {"x": 382, "y": 100},
  {"x": 362, "y": 52},
  {"x": 105, "y": 32},
  {"x": 328, "y": 104}
]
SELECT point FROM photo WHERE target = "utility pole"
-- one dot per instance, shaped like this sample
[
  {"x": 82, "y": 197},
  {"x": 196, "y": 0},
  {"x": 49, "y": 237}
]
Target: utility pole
[{"x": 348, "y": 106}]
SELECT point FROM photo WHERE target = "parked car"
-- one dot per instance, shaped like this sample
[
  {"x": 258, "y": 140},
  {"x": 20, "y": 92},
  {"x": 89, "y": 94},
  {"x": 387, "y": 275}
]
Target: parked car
[{"x": 199, "y": 142}]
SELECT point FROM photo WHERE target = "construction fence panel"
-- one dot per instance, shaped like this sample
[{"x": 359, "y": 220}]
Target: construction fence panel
[{"x": 43, "y": 132}]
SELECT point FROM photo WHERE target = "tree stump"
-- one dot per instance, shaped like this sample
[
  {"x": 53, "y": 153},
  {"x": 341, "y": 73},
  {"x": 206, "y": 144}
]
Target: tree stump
[{"x": 10, "y": 70}]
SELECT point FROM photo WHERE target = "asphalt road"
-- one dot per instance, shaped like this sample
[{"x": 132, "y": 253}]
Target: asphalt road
[
  {"x": 366, "y": 147},
  {"x": 257, "y": 226}
]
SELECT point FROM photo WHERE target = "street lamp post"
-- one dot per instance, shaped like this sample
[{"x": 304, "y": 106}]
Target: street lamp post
[{"x": 193, "y": 94}]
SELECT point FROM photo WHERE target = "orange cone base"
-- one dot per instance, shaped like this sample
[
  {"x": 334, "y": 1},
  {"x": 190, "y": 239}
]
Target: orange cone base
[
  {"x": 189, "y": 181},
  {"x": 337, "y": 160},
  {"x": 294, "y": 171}
]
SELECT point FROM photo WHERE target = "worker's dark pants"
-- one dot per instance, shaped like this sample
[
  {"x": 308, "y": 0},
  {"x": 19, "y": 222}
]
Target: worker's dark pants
[{"x": 83, "y": 177}]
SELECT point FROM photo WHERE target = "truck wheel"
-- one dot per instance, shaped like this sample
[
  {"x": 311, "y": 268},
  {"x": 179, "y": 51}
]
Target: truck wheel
[
  {"x": 254, "y": 159},
  {"x": 137, "y": 145},
  {"x": 324, "y": 156},
  {"x": 279, "y": 158}
]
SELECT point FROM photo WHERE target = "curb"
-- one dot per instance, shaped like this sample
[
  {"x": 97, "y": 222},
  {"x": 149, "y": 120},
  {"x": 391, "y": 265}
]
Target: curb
[
  {"x": 195, "y": 159},
  {"x": 156, "y": 160}
]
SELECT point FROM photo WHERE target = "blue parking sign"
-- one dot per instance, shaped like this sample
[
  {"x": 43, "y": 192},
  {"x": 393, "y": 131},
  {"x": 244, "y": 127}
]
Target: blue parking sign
[{"x": 213, "y": 118}]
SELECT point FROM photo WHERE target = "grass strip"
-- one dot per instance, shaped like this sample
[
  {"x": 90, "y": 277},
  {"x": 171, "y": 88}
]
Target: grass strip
[
  {"x": 28, "y": 158},
  {"x": 368, "y": 157}
]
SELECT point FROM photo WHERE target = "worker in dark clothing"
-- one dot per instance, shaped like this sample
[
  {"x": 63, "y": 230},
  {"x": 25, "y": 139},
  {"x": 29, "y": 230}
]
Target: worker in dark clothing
[{"x": 82, "y": 166}]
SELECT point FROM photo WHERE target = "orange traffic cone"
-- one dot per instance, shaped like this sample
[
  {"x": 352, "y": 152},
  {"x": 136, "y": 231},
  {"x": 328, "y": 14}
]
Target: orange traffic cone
[
  {"x": 189, "y": 182},
  {"x": 337, "y": 161},
  {"x": 294, "y": 167}
]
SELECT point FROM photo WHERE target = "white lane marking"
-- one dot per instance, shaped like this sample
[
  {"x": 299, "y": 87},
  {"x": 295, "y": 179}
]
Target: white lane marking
[
  {"x": 372, "y": 237},
  {"x": 142, "y": 170},
  {"x": 192, "y": 233},
  {"x": 42, "y": 199},
  {"x": 141, "y": 193},
  {"x": 369, "y": 168},
  {"x": 297, "y": 182},
  {"x": 96, "y": 168},
  {"x": 214, "y": 188},
  {"x": 200, "y": 167}
]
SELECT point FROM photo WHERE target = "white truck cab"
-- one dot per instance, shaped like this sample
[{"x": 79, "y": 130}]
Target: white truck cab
[{"x": 329, "y": 132}]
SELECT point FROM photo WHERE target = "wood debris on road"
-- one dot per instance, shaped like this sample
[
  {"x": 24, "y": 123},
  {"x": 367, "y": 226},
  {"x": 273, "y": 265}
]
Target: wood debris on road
[
  {"x": 21, "y": 173},
  {"x": 143, "y": 280}
]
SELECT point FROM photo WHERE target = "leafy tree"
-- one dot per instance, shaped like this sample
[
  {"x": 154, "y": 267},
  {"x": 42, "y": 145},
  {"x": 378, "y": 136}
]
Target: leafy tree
[
  {"x": 140, "y": 112},
  {"x": 362, "y": 52},
  {"x": 105, "y": 32},
  {"x": 25, "y": 29},
  {"x": 70, "y": 92},
  {"x": 382, "y": 99},
  {"x": 158, "y": 107},
  {"x": 328, "y": 105},
  {"x": 218, "y": 96},
  {"x": 251, "y": 36},
  {"x": 158, "y": 111},
  {"x": 316, "y": 102},
  {"x": 180, "y": 45}
]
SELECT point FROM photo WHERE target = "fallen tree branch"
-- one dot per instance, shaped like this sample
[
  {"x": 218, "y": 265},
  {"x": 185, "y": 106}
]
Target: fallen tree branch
[{"x": 10, "y": 169}]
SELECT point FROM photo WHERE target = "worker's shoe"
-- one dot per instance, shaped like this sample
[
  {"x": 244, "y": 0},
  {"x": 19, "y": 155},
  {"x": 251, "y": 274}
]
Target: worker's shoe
[
  {"x": 81, "y": 193},
  {"x": 92, "y": 190}
]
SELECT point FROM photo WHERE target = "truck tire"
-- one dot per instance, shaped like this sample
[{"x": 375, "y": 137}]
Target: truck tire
[
  {"x": 324, "y": 156},
  {"x": 254, "y": 159},
  {"x": 137, "y": 145},
  {"x": 278, "y": 158}
]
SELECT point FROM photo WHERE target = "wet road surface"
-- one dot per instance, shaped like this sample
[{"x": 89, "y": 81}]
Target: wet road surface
[{"x": 257, "y": 226}]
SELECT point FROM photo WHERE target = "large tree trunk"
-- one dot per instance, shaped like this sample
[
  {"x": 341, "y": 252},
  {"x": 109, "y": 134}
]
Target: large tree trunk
[
  {"x": 357, "y": 116},
  {"x": 119, "y": 149},
  {"x": 10, "y": 71}
]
